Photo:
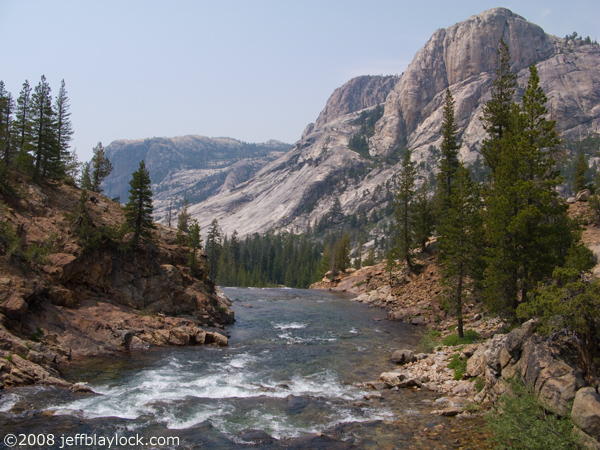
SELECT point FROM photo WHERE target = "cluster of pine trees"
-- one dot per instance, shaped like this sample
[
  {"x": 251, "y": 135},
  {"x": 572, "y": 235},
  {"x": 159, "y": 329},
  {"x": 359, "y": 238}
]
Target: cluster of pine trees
[{"x": 35, "y": 131}]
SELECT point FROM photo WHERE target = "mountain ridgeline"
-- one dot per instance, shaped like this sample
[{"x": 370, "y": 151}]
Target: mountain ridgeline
[{"x": 353, "y": 152}]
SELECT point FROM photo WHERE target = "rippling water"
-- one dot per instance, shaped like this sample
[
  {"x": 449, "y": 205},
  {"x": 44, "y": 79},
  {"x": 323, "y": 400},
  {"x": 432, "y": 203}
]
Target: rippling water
[{"x": 288, "y": 374}]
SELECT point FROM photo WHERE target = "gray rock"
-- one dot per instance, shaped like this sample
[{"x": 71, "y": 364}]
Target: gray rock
[
  {"x": 403, "y": 356},
  {"x": 582, "y": 196},
  {"x": 586, "y": 411}
]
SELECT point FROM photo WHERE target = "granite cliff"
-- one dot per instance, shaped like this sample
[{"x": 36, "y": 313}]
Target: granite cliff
[
  {"x": 64, "y": 294},
  {"x": 299, "y": 187}
]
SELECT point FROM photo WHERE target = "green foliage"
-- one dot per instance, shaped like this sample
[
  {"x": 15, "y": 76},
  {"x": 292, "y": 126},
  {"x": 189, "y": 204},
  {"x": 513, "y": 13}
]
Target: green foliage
[
  {"x": 424, "y": 216},
  {"x": 522, "y": 422},
  {"x": 430, "y": 341},
  {"x": 10, "y": 244},
  {"x": 579, "y": 179},
  {"x": 452, "y": 340},
  {"x": 359, "y": 142},
  {"x": 138, "y": 211},
  {"x": 404, "y": 214},
  {"x": 183, "y": 220},
  {"x": 527, "y": 228},
  {"x": 479, "y": 384},
  {"x": 195, "y": 244},
  {"x": 458, "y": 365},
  {"x": 90, "y": 236},
  {"x": 39, "y": 333},
  {"x": 102, "y": 168},
  {"x": 571, "y": 303}
]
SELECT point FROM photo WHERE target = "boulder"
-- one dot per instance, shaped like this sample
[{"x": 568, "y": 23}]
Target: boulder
[
  {"x": 582, "y": 196},
  {"x": 586, "y": 411},
  {"x": 403, "y": 356}
]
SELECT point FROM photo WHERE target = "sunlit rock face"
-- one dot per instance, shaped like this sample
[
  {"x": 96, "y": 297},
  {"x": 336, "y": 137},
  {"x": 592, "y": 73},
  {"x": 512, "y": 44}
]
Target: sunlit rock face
[{"x": 297, "y": 188}]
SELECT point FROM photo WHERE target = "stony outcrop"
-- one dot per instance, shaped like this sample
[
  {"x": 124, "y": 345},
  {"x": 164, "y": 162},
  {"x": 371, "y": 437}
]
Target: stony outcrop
[
  {"x": 74, "y": 300},
  {"x": 357, "y": 94},
  {"x": 298, "y": 188}
]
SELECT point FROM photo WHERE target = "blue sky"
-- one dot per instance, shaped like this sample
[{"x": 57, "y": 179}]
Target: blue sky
[{"x": 251, "y": 70}]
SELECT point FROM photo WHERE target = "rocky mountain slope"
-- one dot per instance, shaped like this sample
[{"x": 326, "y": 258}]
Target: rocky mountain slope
[
  {"x": 190, "y": 167},
  {"x": 299, "y": 187},
  {"x": 64, "y": 294}
]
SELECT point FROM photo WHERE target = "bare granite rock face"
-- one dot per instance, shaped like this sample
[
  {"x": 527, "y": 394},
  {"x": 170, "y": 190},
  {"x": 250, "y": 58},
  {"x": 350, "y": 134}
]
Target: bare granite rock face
[
  {"x": 357, "y": 94},
  {"x": 299, "y": 187}
]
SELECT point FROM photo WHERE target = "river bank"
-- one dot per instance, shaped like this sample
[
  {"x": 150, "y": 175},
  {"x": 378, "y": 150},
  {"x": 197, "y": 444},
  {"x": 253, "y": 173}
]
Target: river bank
[{"x": 469, "y": 379}]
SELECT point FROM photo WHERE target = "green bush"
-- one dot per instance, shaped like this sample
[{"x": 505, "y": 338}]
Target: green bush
[
  {"x": 452, "y": 340},
  {"x": 521, "y": 422},
  {"x": 458, "y": 365},
  {"x": 430, "y": 341}
]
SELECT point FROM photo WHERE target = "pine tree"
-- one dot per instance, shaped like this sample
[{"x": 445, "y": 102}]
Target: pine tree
[
  {"x": 325, "y": 265},
  {"x": 527, "y": 228},
  {"x": 102, "y": 167},
  {"x": 460, "y": 242},
  {"x": 581, "y": 167},
  {"x": 183, "y": 220},
  {"x": 7, "y": 106},
  {"x": 424, "y": 216},
  {"x": 23, "y": 120},
  {"x": 194, "y": 244},
  {"x": 403, "y": 214},
  {"x": 214, "y": 248},
  {"x": 449, "y": 162},
  {"x": 64, "y": 129},
  {"x": 138, "y": 211},
  {"x": 497, "y": 112},
  {"x": 86, "y": 179},
  {"x": 342, "y": 253},
  {"x": 43, "y": 131}
]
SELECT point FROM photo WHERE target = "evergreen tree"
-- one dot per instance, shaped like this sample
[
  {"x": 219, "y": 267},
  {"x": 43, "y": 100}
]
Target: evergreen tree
[
  {"x": 86, "y": 179},
  {"x": 342, "y": 253},
  {"x": 43, "y": 131},
  {"x": 335, "y": 212},
  {"x": 424, "y": 216},
  {"x": 449, "y": 162},
  {"x": 460, "y": 242},
  {"x": 23, "y": 120},
  {"x": 370, "y": 259},
  {"x": 325, "y": 265},
  {"x": 358, "y": 261},
  {"x": 7, "y": 105},
  {"x": 195, "y": 244},
  {"x": 527, "y": 228},
  {"x": 138, "y": 211},
  {"x": 497, "y": 111},
  {"x": 403, "y": 214},
  {"x": 102, "y": 167},
  {"x": 581, "y": 167},
  {"x": 214, "y": 248},
  {"x": 183, "y": 220},
  {"x": 64, "y": 129}
]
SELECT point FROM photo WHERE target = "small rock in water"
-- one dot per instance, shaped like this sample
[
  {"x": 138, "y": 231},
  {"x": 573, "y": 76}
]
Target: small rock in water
[{"x": 255, "y": 436}]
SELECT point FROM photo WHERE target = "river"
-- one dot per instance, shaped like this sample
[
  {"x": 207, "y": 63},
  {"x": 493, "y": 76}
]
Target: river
[{"x": 287, "y": 380}]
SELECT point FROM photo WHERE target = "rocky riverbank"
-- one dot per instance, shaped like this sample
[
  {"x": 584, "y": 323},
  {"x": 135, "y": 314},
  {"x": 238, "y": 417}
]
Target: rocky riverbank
[
  {"x": 63, "y": 296},
  {"x": 470, "y": 378}
]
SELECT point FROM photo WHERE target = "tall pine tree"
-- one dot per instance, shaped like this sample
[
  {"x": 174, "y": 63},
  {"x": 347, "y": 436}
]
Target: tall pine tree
[
  {"x": 64, "y": 129},
  {"x": 460, "y": 243},
  {"x": 497, "y": 112},
  {"x": 138, "y": 211},
  {"x": 7, "y": 105},
  {"x": 43, "y": 130},
  {"x": 403, "y": 213},
  {"x": 449, "y": 162}
]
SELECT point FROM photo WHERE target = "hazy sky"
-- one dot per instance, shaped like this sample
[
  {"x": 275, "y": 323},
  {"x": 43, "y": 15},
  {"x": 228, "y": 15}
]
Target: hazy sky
[{"x": 251, "y": 70}]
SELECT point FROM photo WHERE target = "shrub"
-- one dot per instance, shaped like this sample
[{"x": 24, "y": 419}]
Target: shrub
[
  {"x": 430, "y": 341},
  {"x": 452, "y": 340},
  {"x": 458, "y": 365},
  {"x": 521, "y": 422}
]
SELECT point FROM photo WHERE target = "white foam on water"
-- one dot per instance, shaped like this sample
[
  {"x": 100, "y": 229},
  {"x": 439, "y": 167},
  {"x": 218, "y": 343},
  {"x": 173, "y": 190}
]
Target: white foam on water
[
  {"x": 7, "y": 401},
  {"x": 353, "y": 331},
  {"x": 287, "y": 326}
]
